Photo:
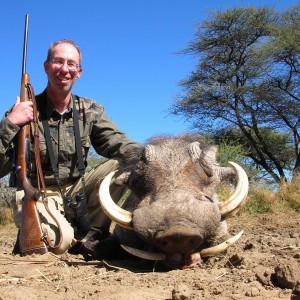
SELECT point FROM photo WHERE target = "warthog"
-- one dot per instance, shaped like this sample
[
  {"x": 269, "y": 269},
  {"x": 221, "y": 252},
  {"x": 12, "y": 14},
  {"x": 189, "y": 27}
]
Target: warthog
[{"x": 173, "y": 210}]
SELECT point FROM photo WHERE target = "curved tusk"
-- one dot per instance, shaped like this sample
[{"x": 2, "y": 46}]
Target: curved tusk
[
  {"x": 212, "y": 251},
  {"x": 144, "y": 254},
  {"x": 110, "y": 208},
  {"x": 239, "y": 195}
]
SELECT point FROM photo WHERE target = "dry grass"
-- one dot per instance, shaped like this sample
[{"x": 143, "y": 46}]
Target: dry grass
[
  {"x": 263, "y": 200},
  {"x": 6, "y": 215},
  {"x": 289, "y": 194}
]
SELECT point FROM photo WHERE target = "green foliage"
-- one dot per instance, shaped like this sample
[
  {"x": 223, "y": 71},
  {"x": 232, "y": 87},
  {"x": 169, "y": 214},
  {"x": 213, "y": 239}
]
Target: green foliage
[
  {"x": 260, "y": 201},
  {"x": 230, "y": 152},
  {"x": 278, "y": 143},
  {"x": 94, "y": 160},
  {"x": 286, "y": 33}
]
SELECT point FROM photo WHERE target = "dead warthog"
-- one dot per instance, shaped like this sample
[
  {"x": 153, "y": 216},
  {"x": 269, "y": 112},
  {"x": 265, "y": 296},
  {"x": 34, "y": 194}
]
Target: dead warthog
[{"x": 173, "y": 210}]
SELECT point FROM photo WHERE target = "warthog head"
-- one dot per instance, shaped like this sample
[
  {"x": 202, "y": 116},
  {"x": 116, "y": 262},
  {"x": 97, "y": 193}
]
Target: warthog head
[{"x": 173, "y": 209}]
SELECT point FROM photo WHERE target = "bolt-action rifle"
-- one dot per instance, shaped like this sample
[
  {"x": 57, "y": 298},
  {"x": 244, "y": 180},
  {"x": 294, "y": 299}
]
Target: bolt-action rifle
[{"x": 31, "y": 238}]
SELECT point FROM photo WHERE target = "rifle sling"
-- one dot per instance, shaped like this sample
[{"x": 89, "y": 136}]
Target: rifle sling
[
  {"x": 81, "y": 166},
  {"x": 51, "y": 153},
  {"x": 39, "y": 171}
]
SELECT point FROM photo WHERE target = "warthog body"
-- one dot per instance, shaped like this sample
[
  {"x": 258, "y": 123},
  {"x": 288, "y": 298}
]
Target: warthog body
[{"x": 173, "y": 207}]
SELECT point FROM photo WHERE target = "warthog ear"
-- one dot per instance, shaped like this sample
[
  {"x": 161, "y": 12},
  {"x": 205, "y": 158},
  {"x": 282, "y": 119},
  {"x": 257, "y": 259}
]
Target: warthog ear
[
  {"x": 208, "y": 161},
  {"x": 122, "y": 179},
  {"x": 149, "y": 153},
  {"x": 207, "y": 158},
  {"x": 195, "y": 151}
]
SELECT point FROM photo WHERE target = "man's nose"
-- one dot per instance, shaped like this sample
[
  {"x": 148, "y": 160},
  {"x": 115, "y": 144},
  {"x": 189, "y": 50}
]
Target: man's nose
[{"x": 65, "y": 67}]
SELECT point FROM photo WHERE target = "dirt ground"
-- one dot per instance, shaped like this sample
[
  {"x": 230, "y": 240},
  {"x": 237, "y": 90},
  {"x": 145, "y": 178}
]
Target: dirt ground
[{"x": 264, "y": 264}]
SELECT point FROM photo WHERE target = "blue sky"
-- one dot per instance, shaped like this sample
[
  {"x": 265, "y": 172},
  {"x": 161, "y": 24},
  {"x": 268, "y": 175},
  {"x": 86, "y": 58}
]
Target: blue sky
[{"x": 130, "y": 65}]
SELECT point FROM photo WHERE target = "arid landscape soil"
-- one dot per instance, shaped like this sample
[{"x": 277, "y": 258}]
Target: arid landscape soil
[{"x": 264, "y": 264}]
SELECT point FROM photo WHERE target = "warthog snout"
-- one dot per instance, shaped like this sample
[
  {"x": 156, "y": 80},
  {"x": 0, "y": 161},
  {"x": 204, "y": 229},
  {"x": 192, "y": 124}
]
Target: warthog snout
[{"x": 178, "y": 239}]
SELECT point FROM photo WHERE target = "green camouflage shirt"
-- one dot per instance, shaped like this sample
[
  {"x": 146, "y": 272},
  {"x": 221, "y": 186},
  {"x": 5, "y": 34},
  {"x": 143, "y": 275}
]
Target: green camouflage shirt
[{"x": 96, "y": 129}]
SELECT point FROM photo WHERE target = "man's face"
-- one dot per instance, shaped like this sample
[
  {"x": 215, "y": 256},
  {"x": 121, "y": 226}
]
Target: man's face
[{"x": 63, "y": 68}]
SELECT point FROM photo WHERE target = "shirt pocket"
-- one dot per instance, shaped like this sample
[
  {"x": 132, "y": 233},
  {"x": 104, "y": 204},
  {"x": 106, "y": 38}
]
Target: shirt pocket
[
  {"x": 85, "y": 146},
  {"x": 43, "y": 152},
  {"x": 84, "y": 128}
]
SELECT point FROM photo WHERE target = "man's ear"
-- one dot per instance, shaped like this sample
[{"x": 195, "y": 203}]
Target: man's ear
[
  {"x": 46, "y": 65},
  {"x": 79, "y": 73}
]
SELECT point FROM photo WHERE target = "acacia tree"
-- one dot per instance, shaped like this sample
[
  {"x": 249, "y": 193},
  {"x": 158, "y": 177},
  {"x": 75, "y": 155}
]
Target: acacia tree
[
  {"x": 232, "y": 81},
  {"x": 281, "y": 88}
]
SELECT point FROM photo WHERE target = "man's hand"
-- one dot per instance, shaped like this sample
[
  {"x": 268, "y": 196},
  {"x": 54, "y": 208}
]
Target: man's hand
[{"x": 21, "y": 113}]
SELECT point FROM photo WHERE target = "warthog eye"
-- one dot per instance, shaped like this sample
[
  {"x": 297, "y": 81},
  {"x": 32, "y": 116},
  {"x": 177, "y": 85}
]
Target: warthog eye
[{"x": 211, "y": 200}]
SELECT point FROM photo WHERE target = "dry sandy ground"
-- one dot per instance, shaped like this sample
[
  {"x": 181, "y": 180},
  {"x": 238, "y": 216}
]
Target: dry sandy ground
[{"x": 264, "y": 264}]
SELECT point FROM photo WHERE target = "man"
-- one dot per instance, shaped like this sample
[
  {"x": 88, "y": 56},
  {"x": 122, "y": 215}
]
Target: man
[{"x": 57, "y": 111}]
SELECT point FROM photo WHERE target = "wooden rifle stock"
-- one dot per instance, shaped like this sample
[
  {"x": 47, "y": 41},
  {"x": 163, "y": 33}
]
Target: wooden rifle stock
[{"x": 31, "y": 238}]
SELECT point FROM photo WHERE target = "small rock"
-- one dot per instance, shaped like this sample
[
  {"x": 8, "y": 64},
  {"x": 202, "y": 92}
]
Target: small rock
[
  {"x": 254, "y": 292},
  {"x": 296, "y": 292},
  {"x": 234, "y": 261},
  {"x": 249, "y": 246},
  {"x": 286, "y": 276},
  {"x": 263, "y": 278},
  {"x": 181, "y": 292}
]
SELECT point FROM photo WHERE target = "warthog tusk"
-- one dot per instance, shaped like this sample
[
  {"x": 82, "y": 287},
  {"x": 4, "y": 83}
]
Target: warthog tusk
[
  {"x": 203, "y": 253},
  {"x": 239, "y": 195},
  {"x": 212, "y": 251},
  {"x": 144, "y": 254},
  {"x": 110, "y": 208}
]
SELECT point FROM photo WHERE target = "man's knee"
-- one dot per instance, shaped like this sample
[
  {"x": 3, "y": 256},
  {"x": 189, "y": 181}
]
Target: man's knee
[
  {"x": 57, "y": 230},
  {"x": 59, "y": 242}
]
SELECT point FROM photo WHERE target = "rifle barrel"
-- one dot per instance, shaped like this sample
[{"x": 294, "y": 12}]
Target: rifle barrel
[{"x": 25, "y": 45}]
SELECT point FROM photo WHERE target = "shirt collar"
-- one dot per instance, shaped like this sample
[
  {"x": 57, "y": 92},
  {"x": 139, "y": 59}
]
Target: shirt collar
[{"x": 52, "y": 112}]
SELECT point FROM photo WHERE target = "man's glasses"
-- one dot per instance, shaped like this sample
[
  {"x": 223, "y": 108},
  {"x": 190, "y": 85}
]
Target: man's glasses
[{"x": 72, "y": 66}]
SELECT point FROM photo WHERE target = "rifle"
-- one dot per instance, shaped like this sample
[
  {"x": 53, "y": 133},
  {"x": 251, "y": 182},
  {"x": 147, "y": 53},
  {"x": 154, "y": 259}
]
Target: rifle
[{"x": 31, "y": 238}]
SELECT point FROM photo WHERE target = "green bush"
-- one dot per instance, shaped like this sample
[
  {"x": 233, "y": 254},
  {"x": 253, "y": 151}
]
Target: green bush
[{"x": 259, "y": 202}]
